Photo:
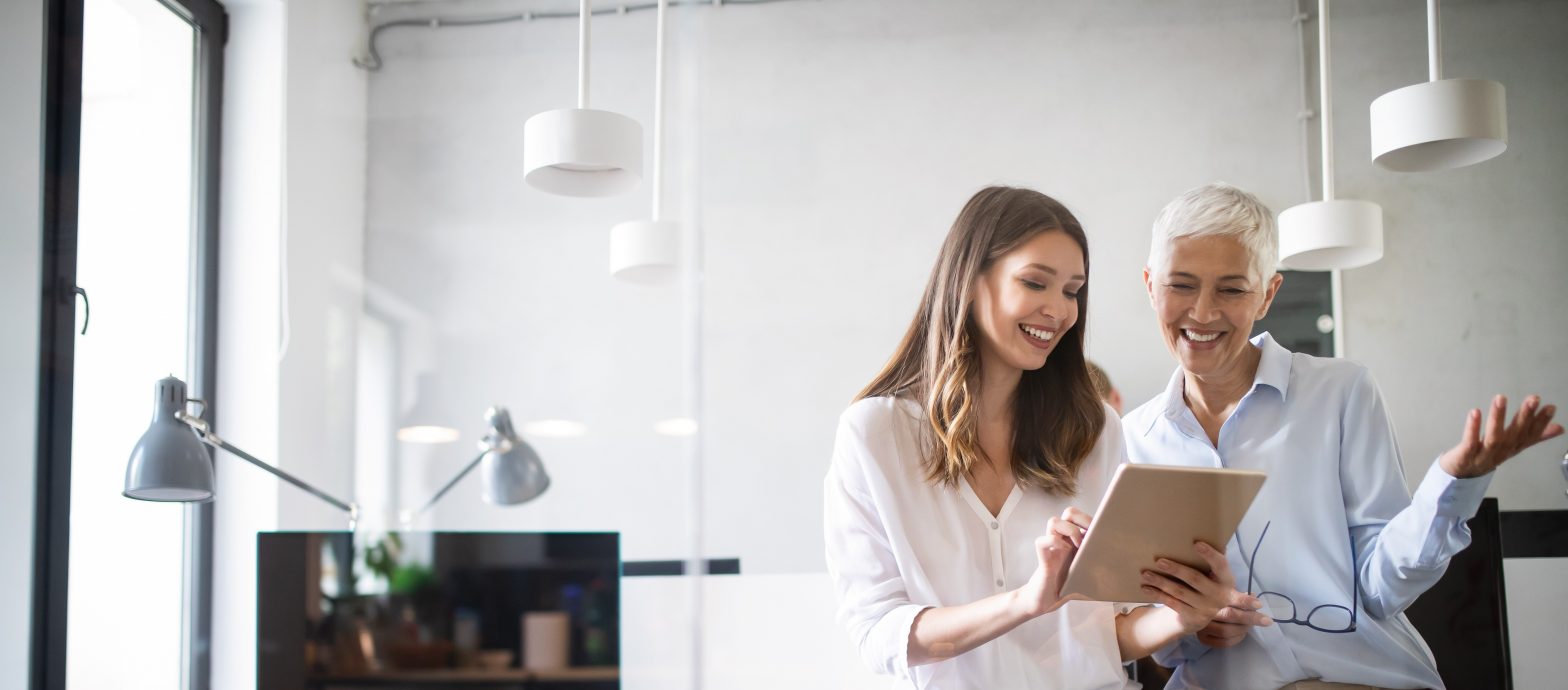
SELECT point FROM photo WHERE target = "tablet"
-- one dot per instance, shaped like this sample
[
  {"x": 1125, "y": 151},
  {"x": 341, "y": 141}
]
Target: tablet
[{"x": 1154, "y": 511}]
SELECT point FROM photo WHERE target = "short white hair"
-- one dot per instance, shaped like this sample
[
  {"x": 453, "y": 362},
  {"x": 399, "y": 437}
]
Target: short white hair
[{"x": 1218, "y": 210}]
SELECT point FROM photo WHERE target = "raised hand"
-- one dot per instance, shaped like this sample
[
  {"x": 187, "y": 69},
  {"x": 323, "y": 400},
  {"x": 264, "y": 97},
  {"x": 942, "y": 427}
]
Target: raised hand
[{"x": 1477, "y": 455}]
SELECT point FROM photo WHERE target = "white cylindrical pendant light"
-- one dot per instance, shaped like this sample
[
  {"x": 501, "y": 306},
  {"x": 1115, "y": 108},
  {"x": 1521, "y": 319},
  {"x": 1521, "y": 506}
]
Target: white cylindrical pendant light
[
  {"x": 647, "y": 251},
  {"x": 1333, "y": 233},
  {"x": 1328, "y": 235},
  {"x": 580, "y": 151},
  {"x": 1441, "y": 124}
]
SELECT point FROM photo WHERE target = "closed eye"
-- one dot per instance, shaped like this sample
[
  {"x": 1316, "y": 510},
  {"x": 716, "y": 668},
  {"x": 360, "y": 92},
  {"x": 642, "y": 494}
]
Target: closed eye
[{"x": 1031, "y": 284}]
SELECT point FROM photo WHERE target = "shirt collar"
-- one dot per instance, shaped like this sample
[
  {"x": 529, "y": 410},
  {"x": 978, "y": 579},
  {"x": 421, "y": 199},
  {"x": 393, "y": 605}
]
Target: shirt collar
[
  {"x": 1274, "y": 367},
  {"x": 1273, "y": 371}
]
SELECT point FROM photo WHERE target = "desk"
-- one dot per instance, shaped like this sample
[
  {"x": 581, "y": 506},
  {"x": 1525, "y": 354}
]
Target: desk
[{"x": 524, "y": 679}]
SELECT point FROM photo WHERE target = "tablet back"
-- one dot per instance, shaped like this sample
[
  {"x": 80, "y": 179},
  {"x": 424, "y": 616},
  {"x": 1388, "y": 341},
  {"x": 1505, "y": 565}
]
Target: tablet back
[{"x": 1152, "y": 511}]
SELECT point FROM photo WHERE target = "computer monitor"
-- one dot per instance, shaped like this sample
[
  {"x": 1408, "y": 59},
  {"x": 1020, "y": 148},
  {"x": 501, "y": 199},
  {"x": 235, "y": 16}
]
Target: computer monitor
[{"x": 436, "y": 609}]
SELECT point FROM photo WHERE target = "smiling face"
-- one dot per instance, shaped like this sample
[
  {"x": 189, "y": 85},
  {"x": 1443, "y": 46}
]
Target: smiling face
[
  {"x": 1026, "y": 299},
  {"x": 1206, "y": 296}
]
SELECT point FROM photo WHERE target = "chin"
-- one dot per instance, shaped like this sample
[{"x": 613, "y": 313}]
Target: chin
[{"x": 1025, "y": 361}]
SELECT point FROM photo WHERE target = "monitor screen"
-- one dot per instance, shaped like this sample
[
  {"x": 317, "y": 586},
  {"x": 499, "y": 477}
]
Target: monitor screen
[{"x": 436, "y": 609}]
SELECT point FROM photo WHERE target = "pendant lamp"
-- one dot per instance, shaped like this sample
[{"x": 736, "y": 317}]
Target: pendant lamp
[
  {"x": 646, "y": 251},
  {"x": 1441, "y": 124},
  {"x": 1332, "y": 233},
  {"x": 582, "y": 152},
  {"x": 427, "y": 421}
]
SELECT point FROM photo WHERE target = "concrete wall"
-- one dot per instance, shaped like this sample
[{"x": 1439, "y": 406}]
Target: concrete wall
[{"x": 1466, "y": 302}]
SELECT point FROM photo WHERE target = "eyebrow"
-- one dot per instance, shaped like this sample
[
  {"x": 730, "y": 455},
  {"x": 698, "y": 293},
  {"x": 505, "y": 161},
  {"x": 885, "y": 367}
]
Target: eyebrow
[
  {"x": 1052, "y": 271},
  {"x": 1184, "y": 274}
]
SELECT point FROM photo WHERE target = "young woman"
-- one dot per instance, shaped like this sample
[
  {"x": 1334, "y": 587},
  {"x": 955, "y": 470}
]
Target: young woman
[{"x": 962, "y": 475}]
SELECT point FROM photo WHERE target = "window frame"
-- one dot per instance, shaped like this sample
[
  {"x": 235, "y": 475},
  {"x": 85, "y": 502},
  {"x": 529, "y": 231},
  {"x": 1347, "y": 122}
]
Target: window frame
[{"x": 61, "y": 146}]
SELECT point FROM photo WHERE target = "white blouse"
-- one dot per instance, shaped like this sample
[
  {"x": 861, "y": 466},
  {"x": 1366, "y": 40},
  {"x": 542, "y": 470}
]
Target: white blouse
[{"x": 897, "y": 544}]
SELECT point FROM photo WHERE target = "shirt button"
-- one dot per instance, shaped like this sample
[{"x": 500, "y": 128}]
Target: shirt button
[
  {"x": 995, "y": 525},
  {"x": 998, "y": 583}
]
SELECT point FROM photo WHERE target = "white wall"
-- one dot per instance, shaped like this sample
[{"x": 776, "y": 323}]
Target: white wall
[
  {"x": 837, "y": 142},
  {"x": 293, "y": 162},
  {"x": 21, "y": 78},
  {"x": 504, "y": 292}
]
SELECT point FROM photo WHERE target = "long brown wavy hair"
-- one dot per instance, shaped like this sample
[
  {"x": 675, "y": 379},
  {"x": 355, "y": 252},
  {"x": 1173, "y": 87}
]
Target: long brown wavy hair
[{"x": 1057, "y": 415}]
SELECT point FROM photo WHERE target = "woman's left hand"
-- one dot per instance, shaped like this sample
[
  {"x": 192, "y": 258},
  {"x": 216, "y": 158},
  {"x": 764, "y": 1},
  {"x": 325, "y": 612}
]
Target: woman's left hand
[
  {"x": 1196, "y": 597},
  {"x": 1475, "y": 455}
]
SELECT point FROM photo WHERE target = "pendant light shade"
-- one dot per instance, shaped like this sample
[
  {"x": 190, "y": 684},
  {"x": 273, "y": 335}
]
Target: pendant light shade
[
  {"x": 579, "y": 151},
  {"x": 1441, "y": 124},
  {"x": 1333, "y": 233},
  {"x": 1328, "y": 235},
  {"x": 583, "y": 153},
  {"x": 644, "y": 251},
  {"x": 427, "y": 421},
  {"x": 647, "y": 251},
  {"x": 1438, "y": 125},
  {"x": 169, "y": 463}
]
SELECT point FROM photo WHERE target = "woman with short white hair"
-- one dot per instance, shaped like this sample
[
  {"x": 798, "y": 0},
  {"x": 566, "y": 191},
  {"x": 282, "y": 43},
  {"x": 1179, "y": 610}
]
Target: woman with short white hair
[{"x": 1335, "y": 545}]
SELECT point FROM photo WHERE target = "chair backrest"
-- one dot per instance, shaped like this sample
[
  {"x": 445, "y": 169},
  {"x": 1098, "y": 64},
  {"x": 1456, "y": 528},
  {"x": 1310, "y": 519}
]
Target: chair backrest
[{"x": 1464, "y": 617}]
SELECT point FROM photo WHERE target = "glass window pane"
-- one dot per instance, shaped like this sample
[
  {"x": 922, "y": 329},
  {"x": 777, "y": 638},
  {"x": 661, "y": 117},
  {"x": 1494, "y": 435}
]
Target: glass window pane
[{"x": 134, "y": 260}]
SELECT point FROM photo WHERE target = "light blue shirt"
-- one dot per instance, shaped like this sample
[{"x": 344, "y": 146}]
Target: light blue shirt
[{"x": 1335, "y": 496}]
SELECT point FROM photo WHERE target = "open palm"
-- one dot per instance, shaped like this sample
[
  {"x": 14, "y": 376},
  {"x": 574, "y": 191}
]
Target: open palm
[{"x": 1477, "y": 455}]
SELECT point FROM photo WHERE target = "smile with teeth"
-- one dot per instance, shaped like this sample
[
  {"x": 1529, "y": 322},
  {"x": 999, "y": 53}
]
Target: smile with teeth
[
  {"x": 1200, "y": 337},
  {"x": 1037, "y": 333}
]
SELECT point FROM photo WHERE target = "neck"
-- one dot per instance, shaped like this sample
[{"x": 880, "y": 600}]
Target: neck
[
  {"x": 998, "y": 386},
  {"x": 1215, "y": 393}
]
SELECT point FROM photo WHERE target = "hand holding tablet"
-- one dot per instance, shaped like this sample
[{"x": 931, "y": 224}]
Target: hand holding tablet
[{"x": 1152, "y": 513}]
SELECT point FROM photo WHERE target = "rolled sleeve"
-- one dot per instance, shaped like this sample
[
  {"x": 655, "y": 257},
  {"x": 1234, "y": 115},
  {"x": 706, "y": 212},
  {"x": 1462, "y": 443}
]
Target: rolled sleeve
[{"x": 873, "y": 603}]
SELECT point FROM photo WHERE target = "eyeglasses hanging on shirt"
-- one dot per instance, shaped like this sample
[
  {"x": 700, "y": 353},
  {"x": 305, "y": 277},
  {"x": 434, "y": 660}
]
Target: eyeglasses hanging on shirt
[{"x": 1327, "y": 618}]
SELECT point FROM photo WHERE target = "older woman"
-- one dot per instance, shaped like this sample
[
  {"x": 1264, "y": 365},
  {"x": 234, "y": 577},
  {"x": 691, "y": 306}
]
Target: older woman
[{"x": 1335, "y": 545}]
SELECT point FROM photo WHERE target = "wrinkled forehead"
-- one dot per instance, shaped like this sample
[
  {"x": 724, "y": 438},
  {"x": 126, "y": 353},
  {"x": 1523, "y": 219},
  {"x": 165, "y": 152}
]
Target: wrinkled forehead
[{"x": 1208, "y": 256}]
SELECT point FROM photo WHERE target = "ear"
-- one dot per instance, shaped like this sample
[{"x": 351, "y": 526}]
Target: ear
[
  {"x": 1148, "y": 285},
  {"x": 1268, "y": 295}
]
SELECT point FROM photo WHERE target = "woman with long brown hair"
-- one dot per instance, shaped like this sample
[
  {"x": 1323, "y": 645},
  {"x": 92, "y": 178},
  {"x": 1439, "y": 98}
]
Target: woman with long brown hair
[{"x": 962, "y": 474}]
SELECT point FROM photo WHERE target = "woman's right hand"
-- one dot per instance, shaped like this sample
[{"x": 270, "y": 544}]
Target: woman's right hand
[
  {"x": 1055, "y": 551},
  {"x": 1197, "y": 598}
]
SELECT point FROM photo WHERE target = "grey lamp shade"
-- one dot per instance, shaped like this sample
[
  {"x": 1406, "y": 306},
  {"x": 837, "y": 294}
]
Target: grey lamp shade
[
  {"x": 169, "y": 463},
  {"x": 516, "y": 475}
]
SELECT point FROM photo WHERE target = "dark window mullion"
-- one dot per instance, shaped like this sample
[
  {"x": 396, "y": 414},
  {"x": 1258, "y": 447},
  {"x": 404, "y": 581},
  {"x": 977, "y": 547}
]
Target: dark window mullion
[{"x": 62, "y": 128}]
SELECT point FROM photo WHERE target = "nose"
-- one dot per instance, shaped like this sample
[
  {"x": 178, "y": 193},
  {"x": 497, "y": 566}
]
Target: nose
[
  {"x": 1203, "y": 308},
  {"x": 1057, "y": 307}
]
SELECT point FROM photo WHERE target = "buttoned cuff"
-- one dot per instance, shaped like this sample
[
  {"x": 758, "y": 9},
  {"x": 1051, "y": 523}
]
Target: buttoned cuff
[{"x": 1453, "y": 497}]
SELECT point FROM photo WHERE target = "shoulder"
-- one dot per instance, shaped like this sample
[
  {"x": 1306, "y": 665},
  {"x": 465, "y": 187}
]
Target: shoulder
[
  {"x": 877, "y": 416},
  {"x": 1112, "y": 432},
  {"x": 1330, "y": 377},
  {"x": 1138, "y": 421},
  {"x": 868, "y": 445},
  {"x": 1111, "y": 447}
]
